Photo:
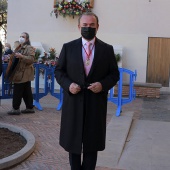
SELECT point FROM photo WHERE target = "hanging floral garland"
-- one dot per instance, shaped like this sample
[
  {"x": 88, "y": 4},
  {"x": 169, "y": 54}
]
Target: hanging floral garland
[{"x": 72, "y": 7}]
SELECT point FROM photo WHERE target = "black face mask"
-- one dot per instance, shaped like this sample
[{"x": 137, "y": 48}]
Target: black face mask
[{"x": 88, "y": 32}]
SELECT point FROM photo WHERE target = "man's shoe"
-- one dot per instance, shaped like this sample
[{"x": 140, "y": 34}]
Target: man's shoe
[
  {"x": 14, "y": 112},
  {"x": 28, "y": 111}
]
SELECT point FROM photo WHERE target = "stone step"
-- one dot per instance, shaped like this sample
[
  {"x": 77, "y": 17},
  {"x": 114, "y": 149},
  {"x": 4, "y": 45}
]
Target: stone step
[{"x": 117, "y": 132}]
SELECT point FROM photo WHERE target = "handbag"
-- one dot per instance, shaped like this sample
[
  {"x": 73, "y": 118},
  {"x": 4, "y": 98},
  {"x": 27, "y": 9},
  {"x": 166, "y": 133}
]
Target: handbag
[{"x": 12, "y": 65}]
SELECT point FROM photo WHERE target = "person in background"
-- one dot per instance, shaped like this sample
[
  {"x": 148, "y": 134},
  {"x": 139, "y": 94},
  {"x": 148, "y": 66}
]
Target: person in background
[
  {"x": 86, "y": 70},
  {"x": 16, "y": 44},
  {"x": 22, "y": 75},
  {"x": 0, "y": 58},
  {"x": 7, "y": 49},
  {"x": 7, "y": 53}
]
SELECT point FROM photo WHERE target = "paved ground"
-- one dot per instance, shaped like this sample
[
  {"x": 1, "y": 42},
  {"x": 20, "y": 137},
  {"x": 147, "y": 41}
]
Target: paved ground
[
  {"x": 147, "y": 146},
  {"x": 44, "y": 125}
]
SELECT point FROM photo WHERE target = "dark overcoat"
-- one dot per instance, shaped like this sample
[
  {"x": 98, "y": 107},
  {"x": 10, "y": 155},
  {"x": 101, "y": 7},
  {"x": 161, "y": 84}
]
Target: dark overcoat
[{"x": 83, "y": 117}]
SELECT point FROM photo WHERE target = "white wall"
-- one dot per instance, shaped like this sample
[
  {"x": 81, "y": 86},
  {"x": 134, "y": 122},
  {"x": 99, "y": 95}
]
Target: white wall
[{"x": 122, "y": 22}]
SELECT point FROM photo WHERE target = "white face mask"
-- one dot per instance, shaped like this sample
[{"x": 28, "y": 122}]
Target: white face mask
[
  {"x": 21, "y": 40},
  {"x": 6, "y": 48}
]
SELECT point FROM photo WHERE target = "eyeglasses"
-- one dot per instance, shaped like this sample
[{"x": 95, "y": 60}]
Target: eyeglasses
[{"x": 22, "y": 37}]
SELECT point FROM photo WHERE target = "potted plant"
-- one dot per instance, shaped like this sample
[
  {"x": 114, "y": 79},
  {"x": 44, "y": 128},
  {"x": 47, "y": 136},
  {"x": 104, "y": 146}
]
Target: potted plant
[
  {"x": 118, "y": 57},
  {"x": 52, "y": 53},
  {"x": 37, "y": 54}
]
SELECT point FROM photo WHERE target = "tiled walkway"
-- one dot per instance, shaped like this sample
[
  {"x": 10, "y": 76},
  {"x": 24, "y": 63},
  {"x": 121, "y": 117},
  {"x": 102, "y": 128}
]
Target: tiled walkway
[{"x": 44, "y": 125}]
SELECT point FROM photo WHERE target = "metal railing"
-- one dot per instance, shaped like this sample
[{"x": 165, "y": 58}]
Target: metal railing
[{"x": 49, "y": 87}]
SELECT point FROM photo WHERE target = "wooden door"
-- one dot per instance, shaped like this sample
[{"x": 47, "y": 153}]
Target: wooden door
[{"x": 158, "y": 61}]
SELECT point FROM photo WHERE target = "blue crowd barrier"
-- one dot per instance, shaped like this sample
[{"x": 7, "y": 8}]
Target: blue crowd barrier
[
  {"x": 120, "y": 100},
  {"x": 7, "y": 87},
  {"x": 49, "y": 87},
  {"x": 38, "y": 93},
  {"x": 49, "y": 82}
]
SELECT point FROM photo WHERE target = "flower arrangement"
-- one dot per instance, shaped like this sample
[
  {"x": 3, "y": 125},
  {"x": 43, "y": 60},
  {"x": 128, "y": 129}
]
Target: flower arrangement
[
  {"x": 49, "y": 58},
  {"x": 71, "y": 8},
  {"x": 52, "y": 53}
]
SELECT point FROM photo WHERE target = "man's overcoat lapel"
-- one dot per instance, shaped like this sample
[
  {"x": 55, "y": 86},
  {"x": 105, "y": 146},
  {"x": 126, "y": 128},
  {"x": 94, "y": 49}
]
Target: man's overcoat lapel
[{"x": 79, "y": 58}]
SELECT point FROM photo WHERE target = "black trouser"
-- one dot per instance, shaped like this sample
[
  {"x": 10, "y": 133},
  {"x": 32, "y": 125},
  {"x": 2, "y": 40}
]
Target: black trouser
[
  {"x": 22, "y": 90},
  {"x": 88, "y": 162}
]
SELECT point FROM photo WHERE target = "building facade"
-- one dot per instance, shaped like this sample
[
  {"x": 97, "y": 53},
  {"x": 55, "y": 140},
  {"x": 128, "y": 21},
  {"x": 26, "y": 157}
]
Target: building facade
[{"x": 125, "y": 23}]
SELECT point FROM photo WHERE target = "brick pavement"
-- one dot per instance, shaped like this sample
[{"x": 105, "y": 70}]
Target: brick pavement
[{"x": 44, "y": 125}]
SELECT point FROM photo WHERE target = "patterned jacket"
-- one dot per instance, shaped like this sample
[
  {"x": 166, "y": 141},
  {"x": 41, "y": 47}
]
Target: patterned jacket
[{"x": 24, "y": 70}]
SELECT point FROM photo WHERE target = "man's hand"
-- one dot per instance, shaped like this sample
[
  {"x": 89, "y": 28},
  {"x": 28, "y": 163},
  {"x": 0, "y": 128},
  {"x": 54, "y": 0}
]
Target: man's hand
[
  {"x": 95, "y": 87},
  {"x": 74, "y": 88}
]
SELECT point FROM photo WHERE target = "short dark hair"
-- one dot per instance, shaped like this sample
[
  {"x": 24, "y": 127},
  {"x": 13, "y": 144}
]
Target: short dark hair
[
  {"x": 28, "y": 38},
  {"x": 89, "y": 13}
]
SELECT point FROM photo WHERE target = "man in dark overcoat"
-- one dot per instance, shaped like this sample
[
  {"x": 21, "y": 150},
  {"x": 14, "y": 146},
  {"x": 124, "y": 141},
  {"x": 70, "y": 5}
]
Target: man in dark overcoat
[{"x": 86, "y": 75}]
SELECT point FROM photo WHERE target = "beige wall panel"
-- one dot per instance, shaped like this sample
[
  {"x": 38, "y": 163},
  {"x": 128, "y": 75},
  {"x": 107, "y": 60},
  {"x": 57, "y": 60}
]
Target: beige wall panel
[{"x": 122, "y": 22}]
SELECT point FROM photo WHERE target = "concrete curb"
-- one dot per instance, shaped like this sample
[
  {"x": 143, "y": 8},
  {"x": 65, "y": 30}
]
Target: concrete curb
[
  {"x": 116, "y": 135},
  {"x": 24, "y": 152}
]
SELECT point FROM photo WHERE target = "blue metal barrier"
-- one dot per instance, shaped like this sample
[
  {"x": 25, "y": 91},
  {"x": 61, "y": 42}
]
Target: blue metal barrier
[
  {"x": 49, "y": 81},
  {"x": 48, "y": 85},
  {"x": 7, "y": 87},
  {"x": 119, "y": 100}
]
